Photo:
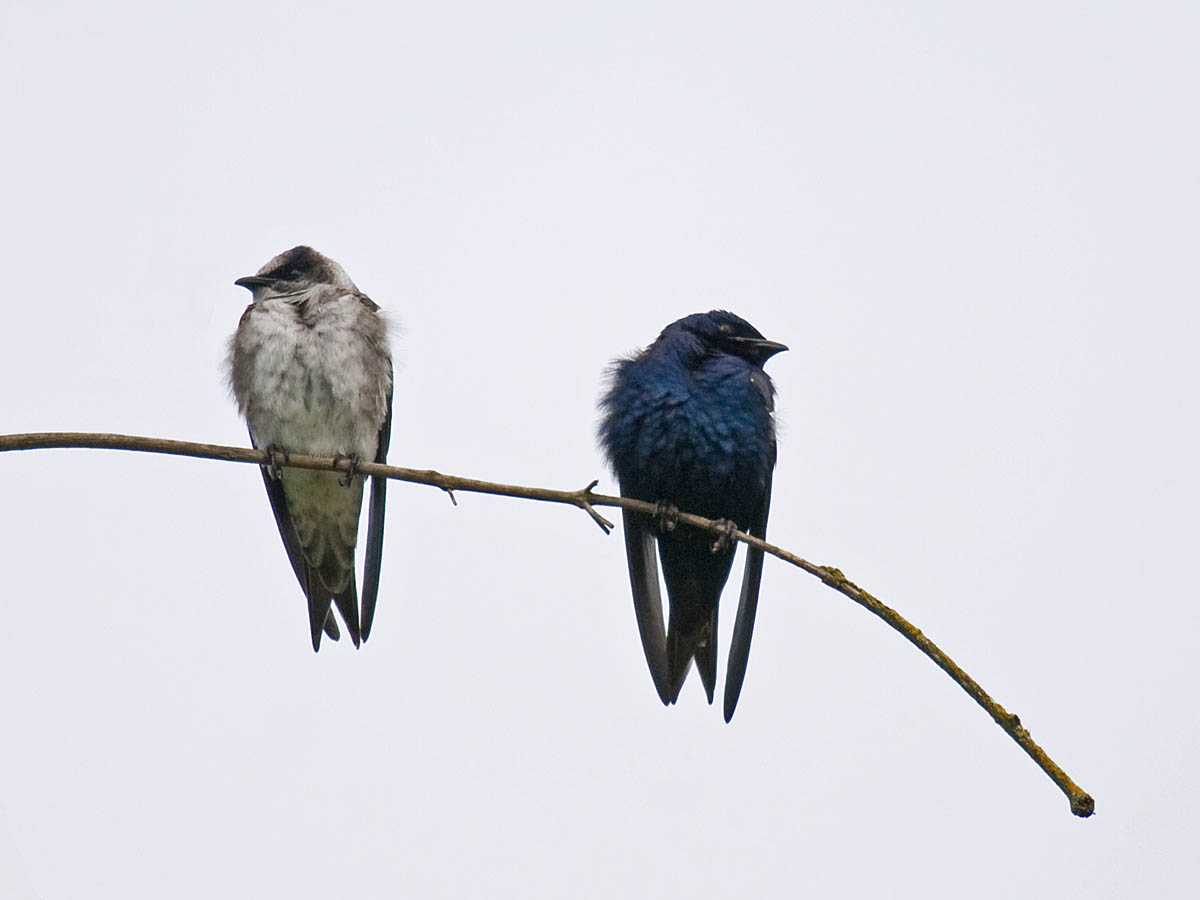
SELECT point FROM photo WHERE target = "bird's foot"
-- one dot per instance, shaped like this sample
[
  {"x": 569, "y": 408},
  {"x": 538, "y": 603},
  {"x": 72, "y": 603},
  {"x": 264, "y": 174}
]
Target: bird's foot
[
  {"x": 727, "y": 538},
  {"x": 275, "y": 456},
  {"x": 348, "y": 476},
  {"x": 666, "y": 516}
]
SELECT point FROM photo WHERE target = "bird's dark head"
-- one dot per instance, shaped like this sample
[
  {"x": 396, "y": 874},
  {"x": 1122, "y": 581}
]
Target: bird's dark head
[
  {"x": 294, "y": 272},
  {"x": 725, "y": 332}
]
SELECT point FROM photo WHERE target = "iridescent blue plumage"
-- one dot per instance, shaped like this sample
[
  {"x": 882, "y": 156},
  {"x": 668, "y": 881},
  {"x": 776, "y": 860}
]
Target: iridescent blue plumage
[{"x": 689, "y": 422}]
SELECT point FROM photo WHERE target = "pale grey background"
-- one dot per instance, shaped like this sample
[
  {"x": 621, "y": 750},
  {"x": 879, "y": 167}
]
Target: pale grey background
[{"x": 975, "y": 226}]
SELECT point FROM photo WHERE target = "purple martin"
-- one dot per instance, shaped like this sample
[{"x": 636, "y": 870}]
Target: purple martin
[
  {"x": 689, "y": 424},
  {"x": 311, "y": 371}
]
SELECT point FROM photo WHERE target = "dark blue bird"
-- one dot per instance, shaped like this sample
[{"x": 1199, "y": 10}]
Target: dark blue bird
[{"x": 689, "y": 423}]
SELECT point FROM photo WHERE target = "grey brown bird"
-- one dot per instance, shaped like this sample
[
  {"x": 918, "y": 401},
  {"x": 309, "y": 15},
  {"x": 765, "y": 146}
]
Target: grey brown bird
[{"x": 310, "y": 368}]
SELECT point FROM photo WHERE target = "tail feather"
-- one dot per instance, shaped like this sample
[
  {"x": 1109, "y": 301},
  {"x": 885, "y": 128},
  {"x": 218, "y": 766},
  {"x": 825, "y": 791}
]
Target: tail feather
[
  {"x": 320, "y": 614},
  {"x": 706, "y": 656},
  {"x": 695, "y": 576},
  {"x": 330, "y": 571},
  {"x": 691, "y": 641},
  {"x": 347, "y": 605},
  {"x": 318, "y": 609}
]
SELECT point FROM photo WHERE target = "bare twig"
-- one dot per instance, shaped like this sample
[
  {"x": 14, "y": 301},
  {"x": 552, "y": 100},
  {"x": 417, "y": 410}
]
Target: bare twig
[{"x": 1081, "y": 803}]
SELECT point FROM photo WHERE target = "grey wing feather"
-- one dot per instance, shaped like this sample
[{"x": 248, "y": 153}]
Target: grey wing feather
[
  {"x": 283, "y": 519},
  {"x": 374, "y": 554},
  {"x": 743, "y": 625},
  {"x": 642, "y": 552}
]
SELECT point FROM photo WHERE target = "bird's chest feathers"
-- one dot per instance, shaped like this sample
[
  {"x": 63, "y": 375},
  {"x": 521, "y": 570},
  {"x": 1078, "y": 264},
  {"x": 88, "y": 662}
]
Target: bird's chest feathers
[
  {"x": 311, "y": 384},
  {"x": 707, "y": 426}
]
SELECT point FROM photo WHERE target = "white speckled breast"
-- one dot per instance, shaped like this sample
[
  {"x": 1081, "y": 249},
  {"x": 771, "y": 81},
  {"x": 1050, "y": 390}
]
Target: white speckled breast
[{"x": 311, "y": 373}]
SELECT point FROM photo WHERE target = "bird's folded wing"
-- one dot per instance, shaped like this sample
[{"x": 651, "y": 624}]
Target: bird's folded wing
[
  {"x": 374, "y": 554},
  {"x": 743, "y": 625},
  {"x": 642, "y": 552}
]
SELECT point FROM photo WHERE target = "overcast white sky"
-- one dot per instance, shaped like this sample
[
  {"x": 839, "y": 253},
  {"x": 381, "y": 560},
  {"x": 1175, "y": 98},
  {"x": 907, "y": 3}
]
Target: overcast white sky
[{"x": 976, "y": 229}]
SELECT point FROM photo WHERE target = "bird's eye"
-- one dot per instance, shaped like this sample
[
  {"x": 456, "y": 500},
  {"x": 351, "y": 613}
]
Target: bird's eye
[
  {"x": 293, "y": 273},
  {"x": 726, "y": 328}
]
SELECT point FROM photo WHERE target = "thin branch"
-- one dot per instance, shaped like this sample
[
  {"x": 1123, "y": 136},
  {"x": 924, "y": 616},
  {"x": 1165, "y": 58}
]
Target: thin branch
[{"x": 1081, "y": 803}]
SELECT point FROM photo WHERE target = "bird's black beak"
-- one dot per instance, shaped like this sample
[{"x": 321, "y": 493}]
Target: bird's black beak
[
  {"x": 250, "y": 282},
  {"x": 760, "y": 348}
]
